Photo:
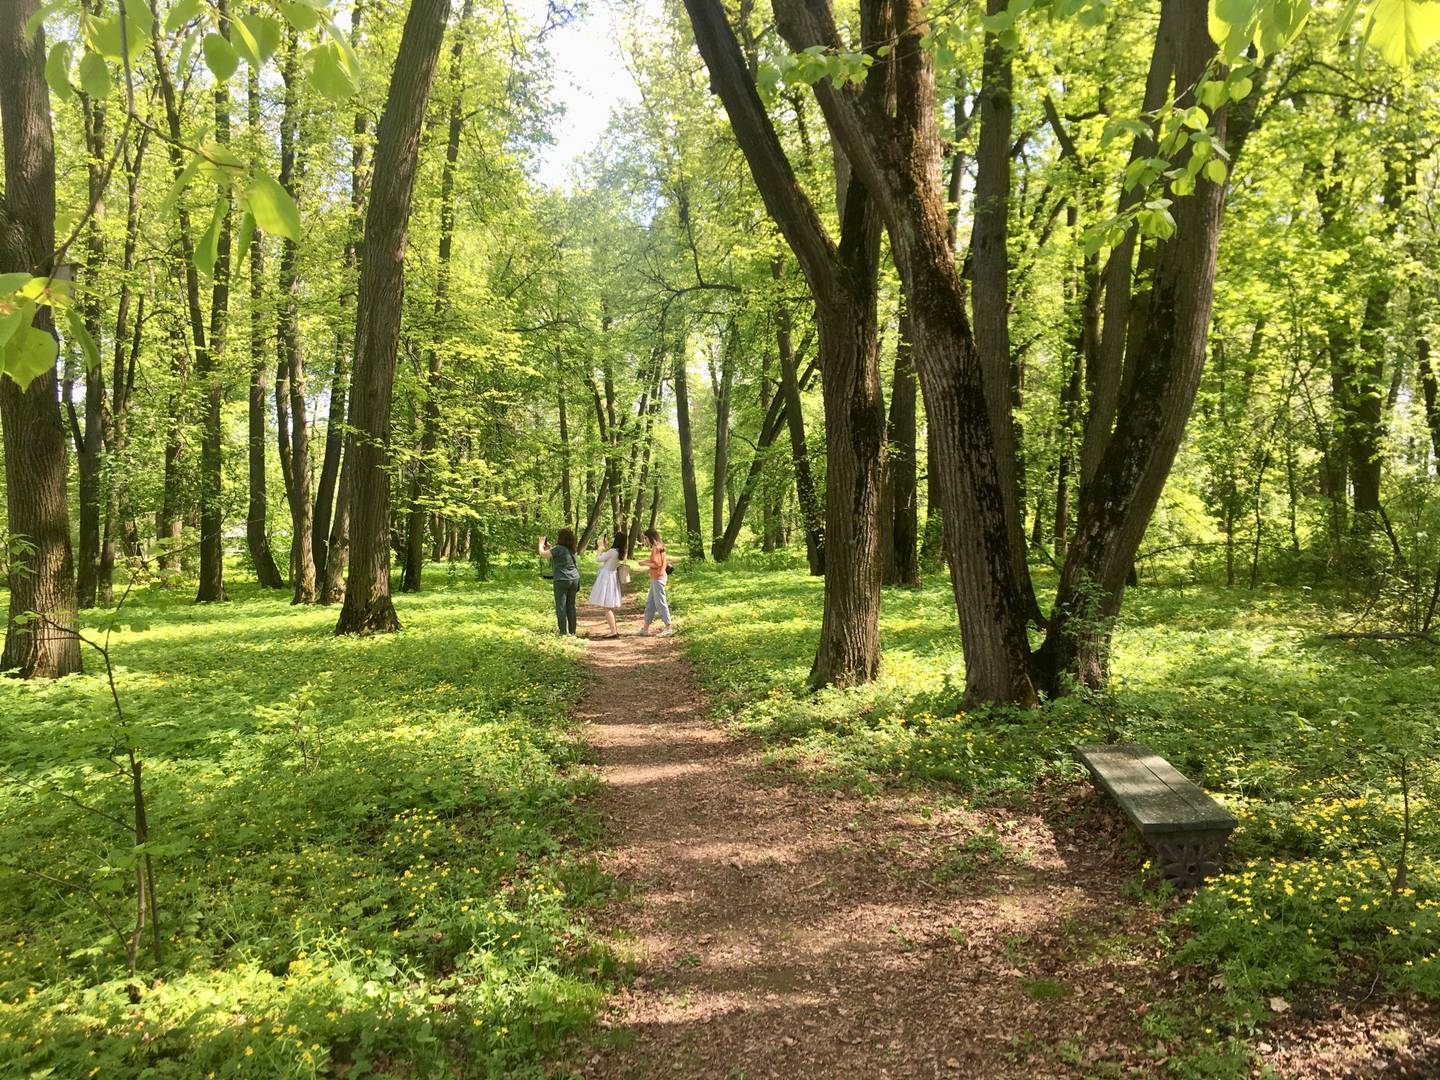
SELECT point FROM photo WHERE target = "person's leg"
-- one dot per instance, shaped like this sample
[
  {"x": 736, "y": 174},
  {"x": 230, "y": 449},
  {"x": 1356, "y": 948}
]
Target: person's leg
[
  {"x": 610, "y": 618},
  {"x": 649, "y": 610},
  {"x": 560, "y": 594},
  {"x": 570, "y": 594},
  {"x": 661, "y": 601}
]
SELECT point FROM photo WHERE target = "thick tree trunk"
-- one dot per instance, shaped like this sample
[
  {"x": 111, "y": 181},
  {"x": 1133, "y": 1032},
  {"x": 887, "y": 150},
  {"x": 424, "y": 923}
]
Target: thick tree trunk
[
  {"x": 902, "y": 562},
  {"x": 1116, "y": 507},
  {"x": 368, "y": 607},
  {"x": 842, "y": 282},
  {"x": 990, "y": 278},
  {"x": 430, "y": 409},
  {"x": 42, "y": 577},
  {"x": 693, "y": 538}
]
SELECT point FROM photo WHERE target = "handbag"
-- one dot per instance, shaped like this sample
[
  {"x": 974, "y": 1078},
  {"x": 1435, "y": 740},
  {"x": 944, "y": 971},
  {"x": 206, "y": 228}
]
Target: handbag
[{"x": 623, "y": 573}]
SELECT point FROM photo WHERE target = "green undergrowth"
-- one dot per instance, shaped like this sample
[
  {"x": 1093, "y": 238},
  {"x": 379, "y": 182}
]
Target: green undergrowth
[
  {"x": 371, "y": 854},
  {"x": 1328, "y": 752}
]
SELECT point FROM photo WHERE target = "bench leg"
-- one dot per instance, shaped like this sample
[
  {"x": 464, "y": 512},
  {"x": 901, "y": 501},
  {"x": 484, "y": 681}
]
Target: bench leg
[{"x": 1188, "y": 859}]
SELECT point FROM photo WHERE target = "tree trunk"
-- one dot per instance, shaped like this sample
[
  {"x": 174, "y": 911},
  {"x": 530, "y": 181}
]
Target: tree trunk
[
  {"x": 430, "y": 409},
  {"x": 368, "y": 607},
  {"x": 694, "y": 540},
  {"x": 126, "y": 355},
  {"x": 257, "y": 514},
  {"x": 90, "y": 439},
  {"x": 325, "y": 496},
  {"x": 207, "y": 370},
  {"x": 42, "y": 577},
  {"x": 842, "y": 282},
  {"x": 810, "y": 513},
  {"x": 1430, "y": 387},
  {"x": 1116, "y": 507},
  {"x": 902, "y": 563},
  {"x": 292, "y": 358},
  {"x": 721, "y": 474}
]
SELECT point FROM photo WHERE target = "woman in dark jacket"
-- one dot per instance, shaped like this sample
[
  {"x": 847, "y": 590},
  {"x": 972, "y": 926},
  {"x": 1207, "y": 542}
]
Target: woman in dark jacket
[{"x": 567, "y": 577}]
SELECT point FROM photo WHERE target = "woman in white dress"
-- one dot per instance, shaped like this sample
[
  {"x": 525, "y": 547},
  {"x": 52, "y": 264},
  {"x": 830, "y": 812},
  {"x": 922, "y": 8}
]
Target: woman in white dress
[{"x": 605, "y": 593}]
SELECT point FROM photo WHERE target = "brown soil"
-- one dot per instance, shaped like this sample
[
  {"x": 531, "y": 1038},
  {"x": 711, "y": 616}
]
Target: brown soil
[{"x": 782, "y": 931}]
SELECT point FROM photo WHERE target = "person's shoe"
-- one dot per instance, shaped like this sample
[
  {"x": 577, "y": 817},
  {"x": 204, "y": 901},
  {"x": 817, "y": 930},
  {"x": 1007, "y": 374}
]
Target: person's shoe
[
  {"x": 642, "y": 632},
  {"x": 669, "y": 631}
]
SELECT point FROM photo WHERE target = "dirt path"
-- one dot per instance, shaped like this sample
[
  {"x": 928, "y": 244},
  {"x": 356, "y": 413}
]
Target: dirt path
[{"x": 781, "y": 932}]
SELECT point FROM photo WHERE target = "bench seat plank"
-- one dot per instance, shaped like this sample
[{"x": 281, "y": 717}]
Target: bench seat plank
[{"x": 1152, "y": 792}]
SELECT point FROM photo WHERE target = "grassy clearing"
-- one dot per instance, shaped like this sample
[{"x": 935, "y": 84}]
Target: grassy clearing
[
  {"x": 1329, "y": 753},
  {"x": 370, "y": 853}
]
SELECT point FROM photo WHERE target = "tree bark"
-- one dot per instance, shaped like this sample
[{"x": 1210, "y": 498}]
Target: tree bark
[
  {"x": 207, "y": 370},
  {"x": 1116, "y": 507},
  {"x": 842, "y": 281},
  {"x": 90, "y": 439},
  {"x": 1430, "y": 387},
  {"x": 694, "y": 540},
  {"x": 720, "y": 475},
  {"x": 903, "y": 563},
  {"x": 42, "y": 578},
  {"x": 435, "y": 360},
  {"x": 325, "y": 494},
  {"x": 257, "y": 513},
  {"x": 368, "y": 607},
  {"x": 292, "y": 357},
  {"x": 811, "y": 516}
]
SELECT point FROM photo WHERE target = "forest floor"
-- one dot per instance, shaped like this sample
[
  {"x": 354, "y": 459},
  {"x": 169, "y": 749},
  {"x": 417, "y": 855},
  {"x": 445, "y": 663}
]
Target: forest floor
[
  {"x": 779, "y": 931},
  {"x": 782, "y": 928}
]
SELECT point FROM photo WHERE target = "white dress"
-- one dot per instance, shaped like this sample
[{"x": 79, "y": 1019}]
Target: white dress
[{"x": 606, "y": 590}]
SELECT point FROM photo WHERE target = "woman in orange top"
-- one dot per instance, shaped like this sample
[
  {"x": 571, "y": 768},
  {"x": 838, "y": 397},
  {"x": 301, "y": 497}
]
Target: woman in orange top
[{"x": 656, "y": 603}]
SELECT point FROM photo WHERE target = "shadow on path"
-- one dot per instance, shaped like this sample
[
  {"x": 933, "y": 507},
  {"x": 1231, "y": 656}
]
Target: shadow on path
[{"x": 780, "y": 932}]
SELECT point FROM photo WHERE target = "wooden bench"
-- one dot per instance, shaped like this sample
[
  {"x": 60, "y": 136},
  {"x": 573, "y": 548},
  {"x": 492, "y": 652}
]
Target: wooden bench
[{"x": 1186, "y": 827}]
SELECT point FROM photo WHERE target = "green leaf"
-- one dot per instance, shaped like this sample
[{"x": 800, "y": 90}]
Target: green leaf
[
  {"x": 1240, "y": 88},
  {"x": 246, "y": 234},
  {"x": 264, "y": 34},
  {"x": 1401, "y": 30},
  {"x": 57, "y": 71},
  {"x": 138, "y": 11},
  {"x": 180, "y": 14},
  {"x": 10, "y": 283},
  {"x": 83, "y": 338},
  {"x": 12, "y": 320},
  {"x": 37, "y": 20},
  {"x": 220, "y": 56},
  {"x": 105, "y": 38},
  {"x": 1215, "y": 171},
  {"x": 208, "y": 248},
  {"x": 29, "y": 354},
  {"x": 182, "y": 181},
  {"x": 94, "y": 76},
  {"x": 328, "y": 73},
  {"x": 348, "y": 60},
  {"x": 273, "y": 207},
  {"x": 301, "y": 16}
]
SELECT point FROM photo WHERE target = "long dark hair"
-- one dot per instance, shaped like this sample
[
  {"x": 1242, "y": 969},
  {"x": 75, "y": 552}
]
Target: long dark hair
[
  {"x": 618, "y": 543},
  {"x": 653, "y": 535},
  {"x": 566, "y": 539}
]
